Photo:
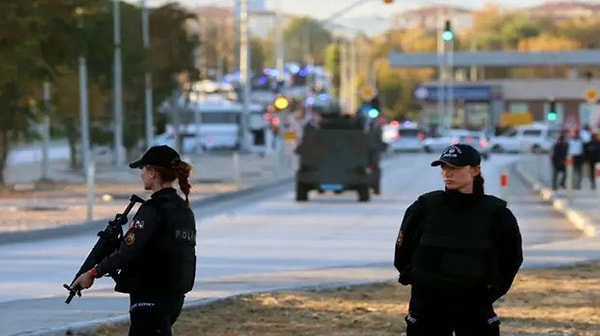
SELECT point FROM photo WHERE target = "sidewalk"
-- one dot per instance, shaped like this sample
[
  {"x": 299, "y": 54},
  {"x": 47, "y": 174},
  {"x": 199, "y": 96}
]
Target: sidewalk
[
  {"x": 584, "y": 209},
  {"x": 29, "y": 205}
]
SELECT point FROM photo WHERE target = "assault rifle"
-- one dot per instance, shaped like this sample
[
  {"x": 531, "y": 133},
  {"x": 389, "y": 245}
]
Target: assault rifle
[{"x": 108, "y": 242}]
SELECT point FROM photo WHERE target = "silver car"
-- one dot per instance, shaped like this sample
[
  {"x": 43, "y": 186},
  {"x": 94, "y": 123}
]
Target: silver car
[
  {"x": 408, "y": 140},
  {"x": 477, "y": 140}
]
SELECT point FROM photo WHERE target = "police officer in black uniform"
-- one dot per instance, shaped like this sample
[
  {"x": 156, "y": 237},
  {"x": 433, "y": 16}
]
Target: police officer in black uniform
[
  {"x": 156, "y": 262},
  {"x": 460, "y": 251}
]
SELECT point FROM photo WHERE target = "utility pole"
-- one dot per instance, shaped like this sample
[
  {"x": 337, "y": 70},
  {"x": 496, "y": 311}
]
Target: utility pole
[
  {"x": 148, "y": 76},
  {"x": 244, "y": 73},
  {"x": 176, "y": 112},
  {"x": 343, "y": 71},
  {"x": 441, "y": 87},
  {"x": 118, "y": 87},
  {"x": 237, "y": 13},
  {"x": 448, "y": 40},
  {"x": 353, "y": 76},
  {"x": 46, "y": 132},
  {"x": 84, "y": 114},
  {"x": 279, "y": 49}
]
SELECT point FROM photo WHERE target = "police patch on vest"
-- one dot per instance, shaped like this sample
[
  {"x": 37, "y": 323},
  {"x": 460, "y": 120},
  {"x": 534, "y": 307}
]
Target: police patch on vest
[
  {"x": 185, "y": 235},
  {"x": 136, "y": 224},
  {"x": 130, "y": 238}
]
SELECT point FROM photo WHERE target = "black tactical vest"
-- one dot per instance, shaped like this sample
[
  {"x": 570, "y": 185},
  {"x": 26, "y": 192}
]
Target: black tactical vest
[
  {"x": 169, "y": 262},
  {"x": 455, "y": 248}
]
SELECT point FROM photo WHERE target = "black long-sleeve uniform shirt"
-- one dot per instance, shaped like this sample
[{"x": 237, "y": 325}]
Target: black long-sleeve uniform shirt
[
  {"x": 140, "y": 232},
  {"x": 506, "y": 235}
]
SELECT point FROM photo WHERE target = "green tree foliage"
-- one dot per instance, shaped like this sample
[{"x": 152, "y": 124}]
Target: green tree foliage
[
  {"x": 42, "y": 40},
  {"x": 306, "y": 38},
  {"x": 332, "y": 66}
]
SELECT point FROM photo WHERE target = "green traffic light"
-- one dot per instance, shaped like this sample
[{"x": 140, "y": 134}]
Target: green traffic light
[
  {"x": 373, "y": 113},
  {"x": 447, "y": 35},
  {"x": 552, "y": 116}
]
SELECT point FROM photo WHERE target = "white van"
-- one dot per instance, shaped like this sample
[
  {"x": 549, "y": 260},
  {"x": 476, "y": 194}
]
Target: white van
[{"x": 525, "y": 138}]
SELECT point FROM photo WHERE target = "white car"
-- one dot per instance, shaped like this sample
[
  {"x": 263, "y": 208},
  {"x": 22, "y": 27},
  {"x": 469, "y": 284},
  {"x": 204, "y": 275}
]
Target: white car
[
  {"x": 437, "y": 143},
  {"x": 407, "y": 140},
  {"x": 478, "y": 140},
  {"x": 190, "y": 142},
  {"x": 525, "y": 138}
]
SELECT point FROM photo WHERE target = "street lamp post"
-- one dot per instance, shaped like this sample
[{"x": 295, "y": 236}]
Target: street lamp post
[
  {"x": 118, "y": 81},
  {"x": 279, "y": 50},
  {"x": 244, "y": 72},
  {"x": 148, "y": 76},
  {"x": 84, "y": 114},
  {"x": 46, "y": 132}
]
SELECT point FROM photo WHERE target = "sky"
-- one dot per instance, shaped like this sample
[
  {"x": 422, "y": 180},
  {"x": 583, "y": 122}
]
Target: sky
[
  {"x": 324, "y": 8},
  {"x": 370, "y": 17}
]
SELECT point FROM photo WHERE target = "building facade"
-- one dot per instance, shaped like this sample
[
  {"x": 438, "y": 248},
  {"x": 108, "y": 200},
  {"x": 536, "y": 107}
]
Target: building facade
[{"x": 481, "y": 104}]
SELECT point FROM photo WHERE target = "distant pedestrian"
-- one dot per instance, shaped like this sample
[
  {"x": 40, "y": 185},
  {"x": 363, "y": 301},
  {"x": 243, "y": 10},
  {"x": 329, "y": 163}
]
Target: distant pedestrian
[
  {"x": 593, "y": 157},
  {"x": 460, "y": 251},
  {"x": 558, "y": 158},
  {"x": 576, "y": 153}
]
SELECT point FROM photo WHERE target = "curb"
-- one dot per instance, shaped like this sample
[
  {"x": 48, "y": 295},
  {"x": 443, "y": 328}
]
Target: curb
[
  {"x": 65, "y": 230},
  {"x": 577, "y": 218}
]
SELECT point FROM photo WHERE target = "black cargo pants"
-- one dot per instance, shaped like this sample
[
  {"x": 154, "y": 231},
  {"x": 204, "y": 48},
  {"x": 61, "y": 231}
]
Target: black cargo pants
[
  {"x": 153, "y": 314},
  {"x": 471, "y": 321}
]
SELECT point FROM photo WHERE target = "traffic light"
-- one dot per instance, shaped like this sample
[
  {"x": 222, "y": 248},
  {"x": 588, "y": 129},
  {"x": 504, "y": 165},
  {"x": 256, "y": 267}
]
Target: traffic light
[
  {"x": 448, "y": 34},
  {"x": 373, "y": 113},
  {"x": 374, "y": 108},
  {"x": 552, "y": 113},
  {"x": 388, "y": 1},
  {"x": 281, "y": 103}
]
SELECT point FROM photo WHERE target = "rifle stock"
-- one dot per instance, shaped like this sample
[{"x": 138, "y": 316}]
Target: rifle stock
[{"x": 108, "y": 242}]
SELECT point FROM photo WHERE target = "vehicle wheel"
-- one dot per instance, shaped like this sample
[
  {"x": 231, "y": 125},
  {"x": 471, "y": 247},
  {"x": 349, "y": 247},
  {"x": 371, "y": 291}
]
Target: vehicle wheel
[
  {"x": 363, "y": 194},
  {"x": 485, "y": 156},
  {"x": 301, "y": 192},
  {"x": 377, "y": 188},
  {"x": 427, "y": 149},
  {"x": 497, "y": 149}
]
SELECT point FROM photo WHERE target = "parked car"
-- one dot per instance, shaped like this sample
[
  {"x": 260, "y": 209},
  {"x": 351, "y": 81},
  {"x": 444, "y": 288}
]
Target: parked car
[
  {"x": 477, "y": 140},
  {"x": 190, "y": 141},
  {"x": 437, "y": 142},
  {"x": 525, "y": 138},
  {"x": 408, "y": 140}
]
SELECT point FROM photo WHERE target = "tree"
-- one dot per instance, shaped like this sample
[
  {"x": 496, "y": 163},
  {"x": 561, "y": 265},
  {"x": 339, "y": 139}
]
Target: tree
[
  {"x": 332, "y": 65},
  {"x": 66, "y": 105},
  {"x": 306, "y": 38},
  {"x": 25, "y": 61},
  {"x": 257, "y": 55}
]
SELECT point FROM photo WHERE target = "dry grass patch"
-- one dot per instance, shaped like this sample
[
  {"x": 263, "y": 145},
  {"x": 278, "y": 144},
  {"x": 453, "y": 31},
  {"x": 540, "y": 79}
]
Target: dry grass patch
[{"x": 562, "y": 302}]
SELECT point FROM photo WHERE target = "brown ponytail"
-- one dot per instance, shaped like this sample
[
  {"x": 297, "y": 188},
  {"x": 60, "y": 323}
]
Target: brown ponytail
[
  {"x": 478, "y": 185},
  {"x": 180, "y": 171}
]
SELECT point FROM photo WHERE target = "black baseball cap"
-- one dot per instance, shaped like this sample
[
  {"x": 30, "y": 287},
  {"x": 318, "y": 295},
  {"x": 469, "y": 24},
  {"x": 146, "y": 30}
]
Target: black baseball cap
[
  {"x": 160, "y": 156},
  {"x": 459, "y": 155}
]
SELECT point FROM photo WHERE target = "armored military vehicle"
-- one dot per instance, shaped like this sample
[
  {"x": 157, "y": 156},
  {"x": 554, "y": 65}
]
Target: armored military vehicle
[{"x": 338, "y": 155}]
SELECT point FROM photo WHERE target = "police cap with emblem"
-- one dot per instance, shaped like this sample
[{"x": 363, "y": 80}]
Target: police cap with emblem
[
  {"x": 459, "y": 155},
  {"x": 160, "y": 156}
]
